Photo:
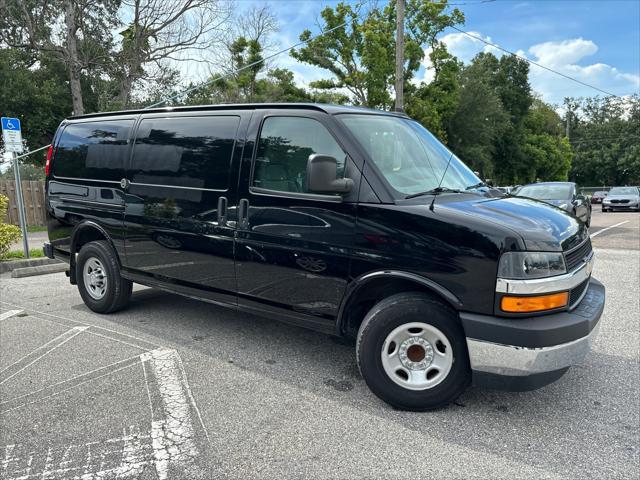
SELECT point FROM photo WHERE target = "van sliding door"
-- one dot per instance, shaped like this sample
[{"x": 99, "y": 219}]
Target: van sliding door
[{"x": 178, "y": 227}]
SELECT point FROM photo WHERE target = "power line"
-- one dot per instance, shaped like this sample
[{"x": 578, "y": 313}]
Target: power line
[
  {"x": 534, "y": 63},
  {"x": 252, "y": 64}
]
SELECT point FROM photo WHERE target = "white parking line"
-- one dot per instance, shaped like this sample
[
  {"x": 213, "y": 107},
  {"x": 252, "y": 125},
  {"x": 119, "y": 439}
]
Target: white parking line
[
  {"x": 26, "y": 361},
  {"x": 88, "y": 325},
  {"x": 9, "y": 314},
  {"x": 608, "y": 228}
]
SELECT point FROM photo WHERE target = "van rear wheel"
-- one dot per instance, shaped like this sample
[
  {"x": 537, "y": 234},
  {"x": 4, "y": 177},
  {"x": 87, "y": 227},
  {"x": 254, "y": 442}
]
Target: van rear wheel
[
  {"x": 412, "y": 352},
  {"x": 101, "y": 287}
]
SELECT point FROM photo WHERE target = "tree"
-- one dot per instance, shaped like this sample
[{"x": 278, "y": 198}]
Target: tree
[
  {"x": 545, "y": 148},
  {"x": 434, "y": 104},
  {"x": 479, "y": 120},
  {"x": 37, "y": 93},
  {"x": 360, "y": 54},
  {"x": 163, "y": 31},
  {"x": 605, "y": 134},
  {"x": 75, "y": 32}
]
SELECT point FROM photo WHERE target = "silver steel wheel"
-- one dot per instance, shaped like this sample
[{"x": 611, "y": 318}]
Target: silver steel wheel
[
  {"x": 95, "y": 278},
  {"x": 417, "y": 356}
]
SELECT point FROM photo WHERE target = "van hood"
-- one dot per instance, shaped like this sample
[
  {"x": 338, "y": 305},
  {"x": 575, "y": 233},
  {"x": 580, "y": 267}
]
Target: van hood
[{"x": 541, "y": 226}]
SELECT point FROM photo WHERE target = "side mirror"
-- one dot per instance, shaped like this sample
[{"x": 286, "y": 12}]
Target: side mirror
[{"x": 322, "y": 173}]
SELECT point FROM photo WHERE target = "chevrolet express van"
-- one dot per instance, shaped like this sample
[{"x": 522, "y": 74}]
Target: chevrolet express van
[{"x": 353, "y": 222}]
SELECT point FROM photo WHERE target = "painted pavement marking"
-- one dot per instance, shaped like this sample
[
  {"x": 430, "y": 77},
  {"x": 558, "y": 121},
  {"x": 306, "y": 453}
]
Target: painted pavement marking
[
  {"x": 169, "y": 447},
  {"x": 40, "y": 352},
  {"x": 142, "y": 340},
  {"x": 65, "y": 385},
  {"x": 608, "y": 228},
  {"x": 9, "y": 314}
]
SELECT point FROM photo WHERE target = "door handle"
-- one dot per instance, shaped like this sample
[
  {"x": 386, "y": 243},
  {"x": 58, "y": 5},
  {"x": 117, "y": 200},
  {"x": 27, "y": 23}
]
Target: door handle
[
  {"x": 243, "y": 213},
  {"x": 124, "y": 183},
  {"x": 222, "y": 211}
]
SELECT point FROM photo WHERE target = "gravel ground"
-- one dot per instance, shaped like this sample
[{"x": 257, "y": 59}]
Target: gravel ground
[{"x": 175, "y": 388}]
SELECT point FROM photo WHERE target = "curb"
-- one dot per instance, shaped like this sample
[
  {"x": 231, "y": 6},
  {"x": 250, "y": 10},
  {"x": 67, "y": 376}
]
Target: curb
[
  {"x": 28, "y": 262},
  {"x": 39, "y": 270}
]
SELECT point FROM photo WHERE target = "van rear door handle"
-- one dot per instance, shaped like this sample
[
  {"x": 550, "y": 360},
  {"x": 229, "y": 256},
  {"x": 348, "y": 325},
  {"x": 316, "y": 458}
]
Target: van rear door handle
[
  {"x": 243, "y": 213},
  {"x": 222, "y": 211}
]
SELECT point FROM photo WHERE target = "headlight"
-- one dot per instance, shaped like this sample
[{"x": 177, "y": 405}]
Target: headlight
[{"x": 523, "y": 265}]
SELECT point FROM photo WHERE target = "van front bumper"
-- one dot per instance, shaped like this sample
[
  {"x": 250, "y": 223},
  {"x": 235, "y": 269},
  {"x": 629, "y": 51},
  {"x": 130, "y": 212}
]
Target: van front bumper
[{"x": 527, "y": 353}]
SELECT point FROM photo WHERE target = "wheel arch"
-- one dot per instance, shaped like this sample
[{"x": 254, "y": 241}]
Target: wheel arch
[
  {"x": 370, "y": 288},
  {"x": 83, "y": 233}
]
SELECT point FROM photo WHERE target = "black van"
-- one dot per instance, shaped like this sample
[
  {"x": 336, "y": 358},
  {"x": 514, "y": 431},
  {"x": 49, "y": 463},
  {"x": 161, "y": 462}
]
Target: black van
[{"x": 350, "y": 221}]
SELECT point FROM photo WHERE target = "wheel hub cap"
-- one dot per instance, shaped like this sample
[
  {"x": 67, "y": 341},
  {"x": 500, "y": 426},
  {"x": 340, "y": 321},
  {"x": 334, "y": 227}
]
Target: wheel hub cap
[
  {"x": 95, "y": 278},
  {"x": 417, "y": 356},
  {"x": 416, "y": 353}
]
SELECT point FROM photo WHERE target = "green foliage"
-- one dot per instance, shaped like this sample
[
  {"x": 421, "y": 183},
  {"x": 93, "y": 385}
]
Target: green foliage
[
  {"x": 478, "y": 122},
  {"x": 18, "y": 254},
  {"x": 360, "y": 56},
  {"x": 35, "y": 92},
  {"x": 605, "y": 135},
  {"x": 28, "y": 171},
  {"x": 9, "y": 234}
]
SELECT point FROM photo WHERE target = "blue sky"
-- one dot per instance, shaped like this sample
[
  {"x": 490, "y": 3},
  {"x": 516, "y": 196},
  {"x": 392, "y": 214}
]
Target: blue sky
[{"x": 597, "y": 42}]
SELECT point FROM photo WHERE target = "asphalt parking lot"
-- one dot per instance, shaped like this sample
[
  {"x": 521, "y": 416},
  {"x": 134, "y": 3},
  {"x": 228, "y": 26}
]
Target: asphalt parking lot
[{"x": 176, "y": 388}]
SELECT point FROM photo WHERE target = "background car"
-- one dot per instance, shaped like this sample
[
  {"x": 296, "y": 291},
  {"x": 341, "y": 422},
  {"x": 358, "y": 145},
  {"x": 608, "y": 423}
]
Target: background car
[
  {"x": 598, "y": 197},
  {"x": 622, "y": 198},
  {"x": 563, "y": 195}
]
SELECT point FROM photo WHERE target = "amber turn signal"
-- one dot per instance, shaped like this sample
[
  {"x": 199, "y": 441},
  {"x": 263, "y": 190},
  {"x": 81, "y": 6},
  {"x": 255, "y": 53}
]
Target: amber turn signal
[{"x": 534, "y": 304}]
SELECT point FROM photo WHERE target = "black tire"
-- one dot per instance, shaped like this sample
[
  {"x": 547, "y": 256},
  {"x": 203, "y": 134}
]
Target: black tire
[
  {"x": 118, "y": 290},
  {"x": 393, "y": 312}
]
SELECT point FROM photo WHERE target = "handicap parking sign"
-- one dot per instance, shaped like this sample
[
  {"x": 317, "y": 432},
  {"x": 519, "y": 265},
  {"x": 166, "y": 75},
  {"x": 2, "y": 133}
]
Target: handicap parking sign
[{"x": 12, "y": 134}]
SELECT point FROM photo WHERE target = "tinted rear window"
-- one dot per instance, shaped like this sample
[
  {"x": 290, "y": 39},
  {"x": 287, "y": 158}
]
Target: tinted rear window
[
  {"x": 546, "y": 192},
  {"x": 190, "y": 152},
  {"x": 93, "y": 150}
]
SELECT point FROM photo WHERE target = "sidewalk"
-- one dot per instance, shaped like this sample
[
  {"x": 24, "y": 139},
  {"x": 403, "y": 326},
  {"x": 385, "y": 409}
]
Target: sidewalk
[{"x": 36, "y": 240}]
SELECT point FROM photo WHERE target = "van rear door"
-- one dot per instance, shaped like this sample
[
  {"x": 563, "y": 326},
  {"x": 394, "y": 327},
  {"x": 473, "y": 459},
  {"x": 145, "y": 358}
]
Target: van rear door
[
  {"x": 181, "y": 183},
  {"x": 87, "y": 164}
]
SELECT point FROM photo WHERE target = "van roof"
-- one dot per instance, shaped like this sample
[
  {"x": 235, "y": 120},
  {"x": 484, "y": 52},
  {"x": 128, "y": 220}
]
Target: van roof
[{"x": 327, "y": 108}]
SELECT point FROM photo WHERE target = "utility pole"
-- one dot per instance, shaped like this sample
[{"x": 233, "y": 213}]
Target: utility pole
[
  {"x": 568, "y": 129},
  {"x": 399, "y": 56}
]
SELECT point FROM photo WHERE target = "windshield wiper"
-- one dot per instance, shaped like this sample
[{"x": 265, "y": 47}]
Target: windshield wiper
[{"x": 434, "y": 191}]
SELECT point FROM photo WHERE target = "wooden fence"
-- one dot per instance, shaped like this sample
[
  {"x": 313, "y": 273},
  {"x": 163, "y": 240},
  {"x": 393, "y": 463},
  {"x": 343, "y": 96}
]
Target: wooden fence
[{"x": 34, "y": 206}]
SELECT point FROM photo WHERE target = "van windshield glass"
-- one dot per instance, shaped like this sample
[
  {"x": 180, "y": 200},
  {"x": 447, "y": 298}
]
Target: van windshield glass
[{"x": 411, "y": 159}]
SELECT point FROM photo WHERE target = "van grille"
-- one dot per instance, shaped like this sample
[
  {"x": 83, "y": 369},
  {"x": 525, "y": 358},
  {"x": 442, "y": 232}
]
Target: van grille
[
  {"x": 574, "y": 257},
  {"x": 577, "y": 292}
]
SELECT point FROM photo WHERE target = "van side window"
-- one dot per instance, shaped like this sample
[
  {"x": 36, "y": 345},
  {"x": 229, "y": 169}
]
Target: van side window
[
  {"x": 93, "y": 150},
  {"x": 283, "y": 150},
  {"x": 190, "y": 152}
]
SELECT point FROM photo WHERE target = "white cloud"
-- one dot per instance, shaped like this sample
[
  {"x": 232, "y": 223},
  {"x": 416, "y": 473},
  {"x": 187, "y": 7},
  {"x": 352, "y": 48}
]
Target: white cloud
[
  {"x": 566, "y": 56},
  {"x": 462, "y": 46}
]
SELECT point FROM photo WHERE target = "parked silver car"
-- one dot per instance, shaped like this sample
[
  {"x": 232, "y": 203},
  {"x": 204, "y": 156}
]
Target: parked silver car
[{"x": 622, "y": 198}]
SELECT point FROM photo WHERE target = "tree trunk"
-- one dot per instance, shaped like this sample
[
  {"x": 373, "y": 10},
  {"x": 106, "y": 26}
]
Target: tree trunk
[{"x": 73, "y": 63}]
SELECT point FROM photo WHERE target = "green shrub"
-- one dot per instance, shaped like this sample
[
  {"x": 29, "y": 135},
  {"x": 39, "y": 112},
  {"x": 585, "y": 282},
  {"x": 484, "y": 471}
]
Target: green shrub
[{"x": 9, "y": 234}]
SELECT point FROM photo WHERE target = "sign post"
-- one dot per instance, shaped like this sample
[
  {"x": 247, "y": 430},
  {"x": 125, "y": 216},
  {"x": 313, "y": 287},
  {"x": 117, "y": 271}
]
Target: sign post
[{"x": 12, "y": 136}]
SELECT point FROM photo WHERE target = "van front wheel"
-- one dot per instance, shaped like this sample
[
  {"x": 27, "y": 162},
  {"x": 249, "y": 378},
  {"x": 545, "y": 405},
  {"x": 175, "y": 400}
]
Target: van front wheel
[
  {"x": 101, "y": 287},
  {"x": 412, "y": 352}
]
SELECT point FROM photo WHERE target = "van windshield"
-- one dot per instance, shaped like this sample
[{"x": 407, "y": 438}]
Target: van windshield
[{"x": 411, "y": 159}]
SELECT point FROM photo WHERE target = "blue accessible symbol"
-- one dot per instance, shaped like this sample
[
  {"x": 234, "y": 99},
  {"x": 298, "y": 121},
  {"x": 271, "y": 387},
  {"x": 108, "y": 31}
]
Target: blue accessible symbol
[{"x": 9, "y": 123}]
